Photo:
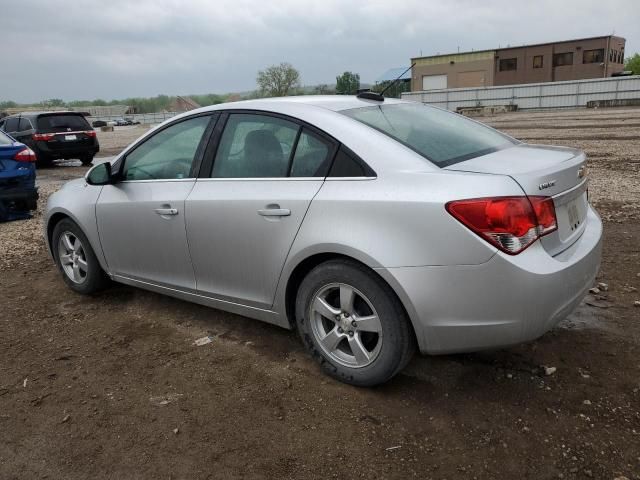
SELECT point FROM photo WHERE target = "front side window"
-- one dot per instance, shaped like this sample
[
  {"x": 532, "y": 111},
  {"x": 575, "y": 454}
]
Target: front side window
[
  {"x": 593, "y": 56},
  {"x": 169, "y": 154},
  {"x": 562, "y": 59},
  {"x": 11, "y": 125},
  {"x": 442, "y": 137},
  {"x": 255, "y": 146},
  {"x": 507, "y": 64}
]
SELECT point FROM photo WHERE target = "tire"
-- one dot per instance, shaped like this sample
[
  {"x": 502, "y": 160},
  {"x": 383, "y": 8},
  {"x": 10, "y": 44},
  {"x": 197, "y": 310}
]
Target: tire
[
  {"x": 367, "y": 352},
  {"x": 86, "y": 159},
  {"x": 91, "y": 278},
  {"x": 42, "y": 161}
]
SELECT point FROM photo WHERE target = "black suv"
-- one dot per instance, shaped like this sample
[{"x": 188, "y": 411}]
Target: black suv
[{"x": 53, "y": 135}]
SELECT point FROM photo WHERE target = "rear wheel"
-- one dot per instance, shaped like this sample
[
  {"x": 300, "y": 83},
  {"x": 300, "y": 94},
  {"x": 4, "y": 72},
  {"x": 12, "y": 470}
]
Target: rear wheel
[
  {"x": 353, "y": 324},
  {"x": 75, "y": 258},
  {"x": 86, "y": 159}
]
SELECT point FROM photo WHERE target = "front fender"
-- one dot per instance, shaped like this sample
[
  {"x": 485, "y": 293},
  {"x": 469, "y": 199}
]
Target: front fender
[{"x": 77, "y": 201}]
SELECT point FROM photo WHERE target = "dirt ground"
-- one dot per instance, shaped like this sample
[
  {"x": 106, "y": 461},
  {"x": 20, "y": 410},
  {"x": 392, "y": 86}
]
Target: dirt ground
[{"x": 112, "y": 386}]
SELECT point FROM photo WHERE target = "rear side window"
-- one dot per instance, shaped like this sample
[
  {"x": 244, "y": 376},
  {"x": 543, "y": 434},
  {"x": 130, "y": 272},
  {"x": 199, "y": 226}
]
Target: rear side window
[
  {"x": 24, "y": 124},
  {"x": 312, "y": 157},
  {"x": 442, "y": 137},
  {"x": 62, "y": 123},
  {"x": 346, "y": 164}
]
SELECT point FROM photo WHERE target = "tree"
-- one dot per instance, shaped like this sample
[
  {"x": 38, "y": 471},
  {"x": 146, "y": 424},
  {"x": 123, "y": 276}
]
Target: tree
[
  {"x": 348, "y": 83},
  {"x": 323, "y": 89},
  {"x": 633, "y": 64},
  {"x": 278, "y": 80}
]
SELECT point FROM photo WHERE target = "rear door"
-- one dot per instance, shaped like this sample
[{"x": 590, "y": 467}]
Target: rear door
[
  {"x": 141, "y": 219},
  {"x": 243, "y": 218}
]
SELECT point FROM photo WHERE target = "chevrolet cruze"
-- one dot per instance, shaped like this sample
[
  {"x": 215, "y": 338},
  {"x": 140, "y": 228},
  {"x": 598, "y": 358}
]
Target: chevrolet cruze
[{"x": 372, "y": 226}]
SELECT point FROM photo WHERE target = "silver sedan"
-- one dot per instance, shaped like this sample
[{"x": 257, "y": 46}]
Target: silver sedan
[{"x": 372, "y": 227}]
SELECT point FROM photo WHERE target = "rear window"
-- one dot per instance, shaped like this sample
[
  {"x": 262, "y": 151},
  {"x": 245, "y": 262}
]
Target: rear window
[
  {"x": 62, "y": 123},
  {"x": 442, "y": 137},
  {"x": 5, "y": 140}
]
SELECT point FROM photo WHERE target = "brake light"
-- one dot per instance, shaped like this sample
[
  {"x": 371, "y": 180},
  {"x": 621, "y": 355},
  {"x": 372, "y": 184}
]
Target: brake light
[
  {"x": 509, "y": 223},
  {"x": 25, "y": 155},
  {"x": 43, "y": 137},
  {"x": 90, "y": 133}
]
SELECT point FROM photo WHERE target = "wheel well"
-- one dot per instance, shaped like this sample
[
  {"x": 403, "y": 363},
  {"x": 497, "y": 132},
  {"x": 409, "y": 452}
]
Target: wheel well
[
  {"x": 53, "y": 221},
  {"x": 308, "y": 264}
]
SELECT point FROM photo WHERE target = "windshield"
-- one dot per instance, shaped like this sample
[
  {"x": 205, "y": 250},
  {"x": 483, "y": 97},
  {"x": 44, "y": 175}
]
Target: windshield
[
  {"x": 442, "y": 137},
  {"x": 62, "y": 123},
  {"x": 5, "y": 140}
]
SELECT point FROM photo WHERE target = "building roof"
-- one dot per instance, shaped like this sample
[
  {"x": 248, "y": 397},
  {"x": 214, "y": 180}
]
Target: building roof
[
  {"x": 517, "y": 46},
  {"x": 394, "y": 73}
]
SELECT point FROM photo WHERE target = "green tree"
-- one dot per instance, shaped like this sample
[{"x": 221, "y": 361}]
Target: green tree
[
  {"x": 278, "y": 80},
  {"x": 633, "y": 64},
  {"x": 7, "y": 104},
  {"x": 348, "y": 83},
  {"x": 54, "y": 102}
]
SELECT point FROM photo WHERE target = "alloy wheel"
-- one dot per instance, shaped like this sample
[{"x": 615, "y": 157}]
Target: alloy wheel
[
  {"x": 72, "y": 257},
  {"x": 346, "y": 325}
]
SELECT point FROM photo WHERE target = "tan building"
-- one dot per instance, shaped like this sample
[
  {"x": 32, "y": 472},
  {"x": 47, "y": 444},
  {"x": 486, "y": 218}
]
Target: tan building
[{"x": 595, "y": 57}]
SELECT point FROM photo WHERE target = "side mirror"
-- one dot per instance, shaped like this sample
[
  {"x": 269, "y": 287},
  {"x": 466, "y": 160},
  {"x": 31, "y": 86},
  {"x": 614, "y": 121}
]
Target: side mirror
[{"x": 100, "y": 175}]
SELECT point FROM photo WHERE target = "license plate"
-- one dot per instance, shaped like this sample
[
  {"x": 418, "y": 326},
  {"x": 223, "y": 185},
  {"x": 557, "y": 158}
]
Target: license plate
[
  {"x": 574, "y": 214},
  {"x": 70, "y": 137}
]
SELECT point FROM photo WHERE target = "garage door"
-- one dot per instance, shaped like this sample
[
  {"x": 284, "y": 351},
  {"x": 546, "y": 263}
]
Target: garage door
[{"x": 434, "y": 82}]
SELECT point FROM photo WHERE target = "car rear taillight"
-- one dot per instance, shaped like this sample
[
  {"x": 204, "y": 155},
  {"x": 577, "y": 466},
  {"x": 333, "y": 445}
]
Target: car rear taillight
[
  {"x": 509, "y": 223},
  {"x": 43, "y": 137},
  {"x": 25, "y": 155},
  {"x": 90, "y": 133}
]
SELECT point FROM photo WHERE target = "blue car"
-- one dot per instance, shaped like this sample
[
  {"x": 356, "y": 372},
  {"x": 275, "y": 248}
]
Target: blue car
[{"x": 18, "y": 192}]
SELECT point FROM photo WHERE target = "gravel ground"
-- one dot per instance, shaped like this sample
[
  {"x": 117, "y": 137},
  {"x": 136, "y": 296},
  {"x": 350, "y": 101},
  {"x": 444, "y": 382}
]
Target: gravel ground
[{"x": 113, "y": 386}]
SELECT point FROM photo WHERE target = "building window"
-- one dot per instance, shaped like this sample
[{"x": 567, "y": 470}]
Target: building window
[
  {"x": 507, "y": 64},
  {"x": 561, "y": 59},
  {"x": 593, "y": 56},
  {"x": 537, "y": 61}
]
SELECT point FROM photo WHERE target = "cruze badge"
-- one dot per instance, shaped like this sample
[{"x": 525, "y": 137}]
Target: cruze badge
[{"x": 548, "y": 184}]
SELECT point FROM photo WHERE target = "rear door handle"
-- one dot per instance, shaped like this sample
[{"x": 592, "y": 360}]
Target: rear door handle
[
  {"x": 274, "y": 212},
  {"x": 166, "y": 211}
]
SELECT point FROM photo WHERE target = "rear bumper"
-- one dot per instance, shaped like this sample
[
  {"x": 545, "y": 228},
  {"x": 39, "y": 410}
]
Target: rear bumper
[
  {"x": 505, "y": 301},
  {"x": 19, "y": 198},
  {"x": 65, "y": 152}
]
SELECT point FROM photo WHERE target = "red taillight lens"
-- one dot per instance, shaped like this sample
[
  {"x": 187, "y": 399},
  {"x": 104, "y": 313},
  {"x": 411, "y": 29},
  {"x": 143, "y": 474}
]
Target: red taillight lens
[
  {"x": 90, "y": 133},
  {"x": 26, "y": 155},
  {"x": 509, "y": 223},
  {"x": 43, "y": 137}
]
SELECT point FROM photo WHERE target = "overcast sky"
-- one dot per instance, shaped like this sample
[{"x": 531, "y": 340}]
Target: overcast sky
[{"x": 123, "y": 48}]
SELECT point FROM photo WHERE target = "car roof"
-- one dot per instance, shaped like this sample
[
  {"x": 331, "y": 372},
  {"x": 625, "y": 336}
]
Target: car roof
[
  {"x": 335, "y": 103},
  {"x": 37, "y": 114}
]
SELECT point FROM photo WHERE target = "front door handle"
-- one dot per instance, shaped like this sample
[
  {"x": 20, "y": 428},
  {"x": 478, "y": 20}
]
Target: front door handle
[
  {"x": 166, "y": 211},
  {"x": 274, "y": 211}
]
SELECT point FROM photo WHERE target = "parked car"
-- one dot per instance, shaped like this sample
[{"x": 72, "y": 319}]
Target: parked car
[
  {"x": 98, "y": 123},
  {"x": 18, "y": 192},
  {"x": 371, "y": 227},
  {"x": 53, "y": 135},
  {"x": 122, "y": 122}
]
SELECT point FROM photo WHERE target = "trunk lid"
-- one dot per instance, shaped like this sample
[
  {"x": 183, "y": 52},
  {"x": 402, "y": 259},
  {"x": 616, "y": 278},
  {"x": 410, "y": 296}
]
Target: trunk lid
[{"x": 542, "y": 170}]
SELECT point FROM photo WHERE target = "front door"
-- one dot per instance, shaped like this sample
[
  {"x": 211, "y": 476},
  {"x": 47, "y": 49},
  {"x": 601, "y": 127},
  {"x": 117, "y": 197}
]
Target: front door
[
  {"x": 242, "y": 220},
  {"x": 141, "y": 219}
]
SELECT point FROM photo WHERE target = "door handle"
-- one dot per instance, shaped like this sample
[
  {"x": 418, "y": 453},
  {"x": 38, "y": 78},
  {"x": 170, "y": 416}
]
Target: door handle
[
  {"x": 166, "y": 211},
  {"x": 274, "y": 212}
]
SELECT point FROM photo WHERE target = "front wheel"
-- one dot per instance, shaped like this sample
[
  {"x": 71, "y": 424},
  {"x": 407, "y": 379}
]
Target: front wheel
[
  {"x": 353, "y": 324},
  {"x": 75, "y": 258}
]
